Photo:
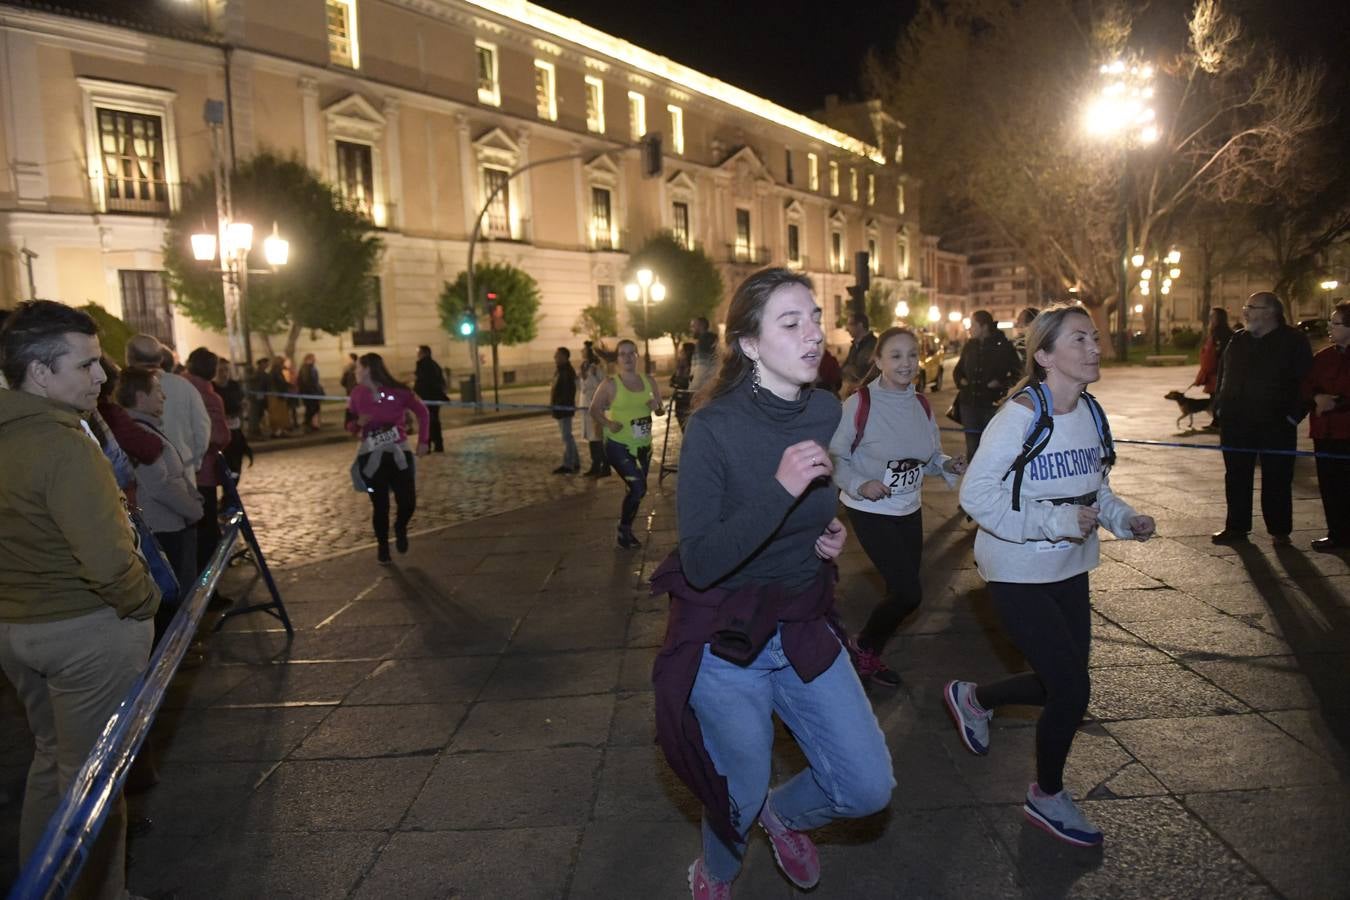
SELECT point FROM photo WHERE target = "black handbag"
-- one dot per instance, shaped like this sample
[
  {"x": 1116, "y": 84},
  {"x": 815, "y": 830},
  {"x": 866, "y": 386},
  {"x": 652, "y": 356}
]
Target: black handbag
[{"x": 954, "y": 412}]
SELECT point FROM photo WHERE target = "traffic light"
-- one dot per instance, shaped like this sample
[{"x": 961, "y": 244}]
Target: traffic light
[
  {"x": 653, "y": 162},
  {"x": 467, "y": 324}
]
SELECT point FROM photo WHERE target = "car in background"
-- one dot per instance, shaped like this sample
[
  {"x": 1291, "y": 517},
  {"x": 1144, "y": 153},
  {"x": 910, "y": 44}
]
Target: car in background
[
  {"x": 1315, "y": 328},
  {"x": 931, "y": 355}
]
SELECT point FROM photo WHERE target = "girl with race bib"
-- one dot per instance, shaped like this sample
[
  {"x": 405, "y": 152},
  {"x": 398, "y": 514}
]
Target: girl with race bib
[
  {"x": 623, "y": 408},
  {"x": 886, "y": 442},
  {"x": 379, "y": 406},
  {"x": 1038, "y": 514}
]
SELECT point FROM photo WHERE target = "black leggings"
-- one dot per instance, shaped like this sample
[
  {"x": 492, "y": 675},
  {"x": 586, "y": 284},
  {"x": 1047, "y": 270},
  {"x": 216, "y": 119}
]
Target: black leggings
[
  {"x": 402, "y": 482},
  {"x": 1051, "y": 624},
  {"x": 633, "y": 471},
  {"x": 895, "y": 546}
]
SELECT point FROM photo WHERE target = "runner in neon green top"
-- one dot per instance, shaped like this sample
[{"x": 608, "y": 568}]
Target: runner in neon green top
[{"x": 623, "y": 408}]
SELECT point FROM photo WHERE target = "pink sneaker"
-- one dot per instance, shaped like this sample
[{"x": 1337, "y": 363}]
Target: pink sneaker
[
  {"x": 872, "y": 667},
  {"x": 703, "y": 886},
  {"x": 796, "y": 853}
]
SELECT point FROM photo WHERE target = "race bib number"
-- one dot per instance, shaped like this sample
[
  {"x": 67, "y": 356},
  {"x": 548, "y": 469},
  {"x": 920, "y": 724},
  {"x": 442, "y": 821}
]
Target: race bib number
[
  {"x": 380, "y": 438},
  {"x": 904, "y": 476},
  {"x": 1052, "y": 546},
  {"x": 642, "y": 428}
]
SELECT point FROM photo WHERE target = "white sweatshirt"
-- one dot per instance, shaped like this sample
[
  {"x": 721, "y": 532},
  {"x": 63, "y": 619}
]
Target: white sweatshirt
[
  {"x": 900, "y": 445},
  {"x": 1041, "y": 543}
]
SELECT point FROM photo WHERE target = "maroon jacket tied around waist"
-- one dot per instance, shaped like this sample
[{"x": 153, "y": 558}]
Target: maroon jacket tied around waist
[{"x": 811, "y": 640}]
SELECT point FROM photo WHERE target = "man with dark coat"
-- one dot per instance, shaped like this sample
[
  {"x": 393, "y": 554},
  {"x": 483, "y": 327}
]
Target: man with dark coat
[
  {"x": 988, "y": 367},
  {"x": 429, "y": 384},
  {"x": 1259, "y": 405},
  {"x": 863, "y": 348},
  {"x": 563, "y": 399}
]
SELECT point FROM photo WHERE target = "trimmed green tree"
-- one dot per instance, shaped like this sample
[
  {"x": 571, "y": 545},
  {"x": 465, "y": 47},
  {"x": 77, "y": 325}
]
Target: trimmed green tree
[
  {"x": 693, "y": 287},
  {"x": 517, "y": 294},
  {"x": 597, "y": 322},
  {"x": 325, "y": 285}
]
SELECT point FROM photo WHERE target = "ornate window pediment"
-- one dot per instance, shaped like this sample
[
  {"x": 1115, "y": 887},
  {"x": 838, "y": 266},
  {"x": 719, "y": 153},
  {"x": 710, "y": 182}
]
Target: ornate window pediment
[
  {"x": 355, "y": 117},
  {"x": 497, "y": 148},
  {"x": 603, "y": 171}
]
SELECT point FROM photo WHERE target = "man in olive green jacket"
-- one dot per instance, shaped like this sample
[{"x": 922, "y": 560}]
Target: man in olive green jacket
[{"x": 76, "y": 597}]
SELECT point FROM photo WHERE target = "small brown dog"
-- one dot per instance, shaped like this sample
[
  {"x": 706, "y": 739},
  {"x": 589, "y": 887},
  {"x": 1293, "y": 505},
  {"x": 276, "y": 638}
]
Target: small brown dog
[{"x": 1189, "y": 406}]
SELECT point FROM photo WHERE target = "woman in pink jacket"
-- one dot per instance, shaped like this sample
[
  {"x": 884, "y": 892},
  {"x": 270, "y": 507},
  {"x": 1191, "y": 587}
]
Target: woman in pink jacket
[{"x": 379, "y": 407}]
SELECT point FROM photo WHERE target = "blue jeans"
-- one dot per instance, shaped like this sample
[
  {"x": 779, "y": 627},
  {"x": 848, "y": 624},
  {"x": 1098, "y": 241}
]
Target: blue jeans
[
  {"x": 849, "y": 773},
  {"x": 633, "y": 471},
  {"x": 571, "y": 458}
]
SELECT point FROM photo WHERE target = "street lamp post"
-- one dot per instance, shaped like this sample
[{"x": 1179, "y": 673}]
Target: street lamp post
[
  {"x": 234, "y": 240},
  {"x": 1122, "y": 108},
  {"x": 1166, "y": 276},
  {"x": 648, "y": 289}
]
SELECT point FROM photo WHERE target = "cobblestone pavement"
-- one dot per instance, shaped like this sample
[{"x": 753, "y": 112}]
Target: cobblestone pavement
[{"x": 303, "y": 508}]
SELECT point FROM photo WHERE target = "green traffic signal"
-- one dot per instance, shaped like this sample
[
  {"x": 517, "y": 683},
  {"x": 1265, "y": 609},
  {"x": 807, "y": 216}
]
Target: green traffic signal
[{"x": 466, "y": 326}]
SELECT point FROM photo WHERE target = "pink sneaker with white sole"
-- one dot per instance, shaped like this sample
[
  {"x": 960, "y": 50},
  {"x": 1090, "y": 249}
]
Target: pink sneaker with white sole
[
  {"x": 703, "y": 886},
  {"x": 795, "y": 852}
]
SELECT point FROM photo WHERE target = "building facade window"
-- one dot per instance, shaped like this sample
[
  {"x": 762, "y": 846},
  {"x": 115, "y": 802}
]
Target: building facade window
[
  {"x": 132, "y": 150},
  {"x": 787, "y": 165},
  {"x": 369, "y": 330},
  {"x": 679, "y": 213},
  {"x": 853, "y": 185},
  {"x": 676, "y": 129},
  {"x": 834, "y": 178},
  {"x": 356, "y": 176},
  {"x": 742, "y": 249},
  {"x": 902, "y": 258},
  {"x": 132, "y": 159},
  {"x": 545, "y": 90},
  {"x": 489, "y": 87},
  {"x": 145, "y": 304},
  {"x": 900, "y": 198},
  {"x": 497, "y": 221},
  {"x": 794, "y": 243},
  {"x": 595, "y": 105},
  {"x": 605, "y": 297},
  {"x": 837, "y": 251},
  {"x": 873, "y": 261},
  {"x": 637, "y": 115},
  {"x": 344, "y": 47},
  {"x": 871, "y": 189},
  {"x": 602, "y": 219},
  {"x": 812, "y": 172}
]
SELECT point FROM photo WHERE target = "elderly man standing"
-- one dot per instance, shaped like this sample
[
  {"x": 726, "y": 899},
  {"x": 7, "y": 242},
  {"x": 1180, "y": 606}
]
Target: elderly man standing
[
  {"x": 1259, "y": 405},
  {"x": 76, "y": 597}
]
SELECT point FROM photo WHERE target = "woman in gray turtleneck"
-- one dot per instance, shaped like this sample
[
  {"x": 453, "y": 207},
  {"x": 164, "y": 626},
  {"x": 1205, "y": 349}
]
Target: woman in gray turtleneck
[{"x": 752, "y": 627}]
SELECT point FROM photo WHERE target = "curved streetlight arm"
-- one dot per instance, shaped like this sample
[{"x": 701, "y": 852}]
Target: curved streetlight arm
[{"x": 478, "y": 233}]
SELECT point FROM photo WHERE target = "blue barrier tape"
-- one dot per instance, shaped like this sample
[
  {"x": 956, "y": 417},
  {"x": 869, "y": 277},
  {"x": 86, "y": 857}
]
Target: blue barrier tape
[
  {"x": 55, "y": 863},
  {"x": 543, "y": 407}
]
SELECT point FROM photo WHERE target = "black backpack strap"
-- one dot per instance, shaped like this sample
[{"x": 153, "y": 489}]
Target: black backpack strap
[
  {"x": 1037, "y": 438},
  {"x": 1103, "y": 430}
]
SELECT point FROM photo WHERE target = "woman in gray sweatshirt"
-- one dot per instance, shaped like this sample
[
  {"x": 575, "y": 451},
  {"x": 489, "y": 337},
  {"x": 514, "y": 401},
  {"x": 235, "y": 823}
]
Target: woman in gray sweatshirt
[
  {"x": 166, "y": 489},
  {"x": 1036, "y": 550},
  {"x": 885, "y": 444}
]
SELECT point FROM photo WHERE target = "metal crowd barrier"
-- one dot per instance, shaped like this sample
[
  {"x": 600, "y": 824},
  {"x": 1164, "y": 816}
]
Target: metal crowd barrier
[{"x": 51, "y": 870}]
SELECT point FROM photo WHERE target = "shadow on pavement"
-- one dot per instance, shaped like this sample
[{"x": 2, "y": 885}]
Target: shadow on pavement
[{"x": 1319, "y": 635}]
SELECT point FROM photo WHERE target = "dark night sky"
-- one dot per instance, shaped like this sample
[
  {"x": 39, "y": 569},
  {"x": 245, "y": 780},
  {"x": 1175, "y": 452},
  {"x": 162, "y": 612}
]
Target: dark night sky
[{"x": 793, "y": 54}]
